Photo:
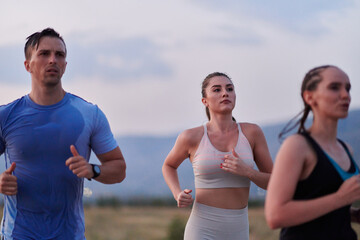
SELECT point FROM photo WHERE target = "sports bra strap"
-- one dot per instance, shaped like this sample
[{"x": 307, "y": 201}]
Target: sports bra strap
[
  {"x": 205, "y": 129},
  {"x": 320, "y": 152}
]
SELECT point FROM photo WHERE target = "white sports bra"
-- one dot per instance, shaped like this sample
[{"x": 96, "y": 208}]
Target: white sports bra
[{"x": 207, "y": 160}]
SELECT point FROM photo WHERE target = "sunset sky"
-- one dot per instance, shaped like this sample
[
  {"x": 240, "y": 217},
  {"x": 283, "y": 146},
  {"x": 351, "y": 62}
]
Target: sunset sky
[{"x": 143, "y": 62}]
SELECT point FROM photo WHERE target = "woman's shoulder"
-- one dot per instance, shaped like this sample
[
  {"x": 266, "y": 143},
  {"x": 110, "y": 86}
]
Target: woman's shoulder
[
  {"x": 297, "y": 143},
  {"x": 296, "y": 139},
  {"x": 295, "y": 151},
  {"x": 251, "y": 130},
  {"x": 250, "y": 127},
  {"x": 191, "y": 136}
]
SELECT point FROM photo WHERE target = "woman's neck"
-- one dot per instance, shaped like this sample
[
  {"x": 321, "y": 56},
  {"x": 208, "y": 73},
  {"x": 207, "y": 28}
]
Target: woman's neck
[
  {"x": 324, "y": 130},
  {"x": 221, "y": 123}
]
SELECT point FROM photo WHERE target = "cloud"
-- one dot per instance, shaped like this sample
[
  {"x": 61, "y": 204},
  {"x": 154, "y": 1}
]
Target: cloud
[
  {"x": 233, "y": 35},
  {"x": 111, "y": 60},
  {"x": 117, "y": 60},
  {"x": 12, "y": 65},
  {"x": 301, "y": 17},
  {"x": 143, "y": 62}
]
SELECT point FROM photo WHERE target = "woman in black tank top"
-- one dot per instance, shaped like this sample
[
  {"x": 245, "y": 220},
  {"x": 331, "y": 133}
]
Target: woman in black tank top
[{"x": 315, "y": 180}]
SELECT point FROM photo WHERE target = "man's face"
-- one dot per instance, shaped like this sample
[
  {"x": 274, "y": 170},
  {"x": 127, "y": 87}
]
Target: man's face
[{"x": 47, "y": 63}]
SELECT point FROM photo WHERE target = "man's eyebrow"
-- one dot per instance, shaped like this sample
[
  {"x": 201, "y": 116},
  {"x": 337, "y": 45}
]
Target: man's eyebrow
[{"x": 48, "y": 50}]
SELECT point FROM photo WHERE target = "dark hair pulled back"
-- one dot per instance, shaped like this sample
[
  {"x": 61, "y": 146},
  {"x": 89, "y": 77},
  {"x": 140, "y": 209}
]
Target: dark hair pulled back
[{"x": 309, "y": 83}]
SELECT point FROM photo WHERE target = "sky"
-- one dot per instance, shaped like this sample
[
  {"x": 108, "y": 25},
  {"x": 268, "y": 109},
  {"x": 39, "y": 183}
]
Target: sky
[{"x": 142, "y": 62}]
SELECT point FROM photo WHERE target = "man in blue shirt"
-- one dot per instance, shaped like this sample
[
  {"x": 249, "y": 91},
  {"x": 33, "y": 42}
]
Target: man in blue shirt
[{"x": 47, "y": 137}]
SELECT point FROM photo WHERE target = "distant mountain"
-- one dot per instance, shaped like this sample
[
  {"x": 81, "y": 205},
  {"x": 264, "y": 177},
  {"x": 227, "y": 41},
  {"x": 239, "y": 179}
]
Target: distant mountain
[{"x": 144, "y": 157}]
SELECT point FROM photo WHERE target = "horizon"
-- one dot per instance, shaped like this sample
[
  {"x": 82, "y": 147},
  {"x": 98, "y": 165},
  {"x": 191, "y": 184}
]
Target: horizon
[{"x": 262, "y": 126}]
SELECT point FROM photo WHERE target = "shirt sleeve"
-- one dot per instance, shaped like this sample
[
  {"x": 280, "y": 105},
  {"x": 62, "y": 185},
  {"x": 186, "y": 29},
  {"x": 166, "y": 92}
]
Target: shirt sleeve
[
  {"x": 102, "y": 139},
  {"x": 2, "y": 144}
]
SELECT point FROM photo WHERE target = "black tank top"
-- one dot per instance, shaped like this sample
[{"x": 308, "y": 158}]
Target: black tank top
[{"x": 323, "y": 180}]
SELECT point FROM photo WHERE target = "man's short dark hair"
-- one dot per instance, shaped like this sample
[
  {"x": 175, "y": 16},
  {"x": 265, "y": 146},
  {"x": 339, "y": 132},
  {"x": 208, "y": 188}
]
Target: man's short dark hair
[{"x": 34, "y": 39}]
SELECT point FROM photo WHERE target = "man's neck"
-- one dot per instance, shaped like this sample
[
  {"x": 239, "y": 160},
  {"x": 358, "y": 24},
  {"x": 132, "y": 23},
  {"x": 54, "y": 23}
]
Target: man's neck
[{"x": 47, "y": 97}]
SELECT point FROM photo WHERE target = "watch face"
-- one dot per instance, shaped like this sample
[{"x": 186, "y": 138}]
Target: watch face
[{"x": 97, "y": 169}]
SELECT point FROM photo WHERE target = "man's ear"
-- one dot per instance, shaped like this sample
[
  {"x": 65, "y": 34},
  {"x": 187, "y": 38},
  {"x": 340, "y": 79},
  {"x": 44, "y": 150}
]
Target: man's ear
[{"x": 27, "y": 65}]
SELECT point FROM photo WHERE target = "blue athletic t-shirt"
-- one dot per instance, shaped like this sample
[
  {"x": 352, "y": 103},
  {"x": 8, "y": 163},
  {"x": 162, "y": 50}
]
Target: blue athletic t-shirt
[{"x": 37, "y": 138}]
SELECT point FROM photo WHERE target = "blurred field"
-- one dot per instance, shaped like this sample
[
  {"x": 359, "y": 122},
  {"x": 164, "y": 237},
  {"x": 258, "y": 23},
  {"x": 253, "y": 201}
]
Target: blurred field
[
  {"x": 152, "y": 223},
  {"x": 130, "y": 223}
]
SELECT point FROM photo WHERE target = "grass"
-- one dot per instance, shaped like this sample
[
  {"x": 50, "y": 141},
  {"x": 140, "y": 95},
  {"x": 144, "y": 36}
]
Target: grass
[
  {"x": 258, "y": 228},
  {"x": 137, "y": 223},
  {"x": 152, "y": 223}
]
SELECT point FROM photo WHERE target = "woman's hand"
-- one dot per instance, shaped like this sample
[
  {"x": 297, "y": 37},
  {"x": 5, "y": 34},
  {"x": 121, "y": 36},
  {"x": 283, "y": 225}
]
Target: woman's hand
[
  {"x": 184, "y": 198},
  {"x": 349, "y": 191},
  {"x": 234, "y": 164}
]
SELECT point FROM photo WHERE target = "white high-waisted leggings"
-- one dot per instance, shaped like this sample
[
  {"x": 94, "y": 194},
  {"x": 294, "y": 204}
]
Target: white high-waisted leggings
[{"x": 211, "y": 223}]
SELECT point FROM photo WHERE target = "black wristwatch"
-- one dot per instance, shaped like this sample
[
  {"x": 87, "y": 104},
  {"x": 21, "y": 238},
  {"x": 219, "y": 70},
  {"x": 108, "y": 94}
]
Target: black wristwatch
[{"x": 96, "y": 170}]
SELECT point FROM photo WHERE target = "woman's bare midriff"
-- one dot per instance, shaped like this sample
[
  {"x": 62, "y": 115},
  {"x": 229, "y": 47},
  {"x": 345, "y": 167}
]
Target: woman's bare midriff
[{"x": 228, "y": 198}]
